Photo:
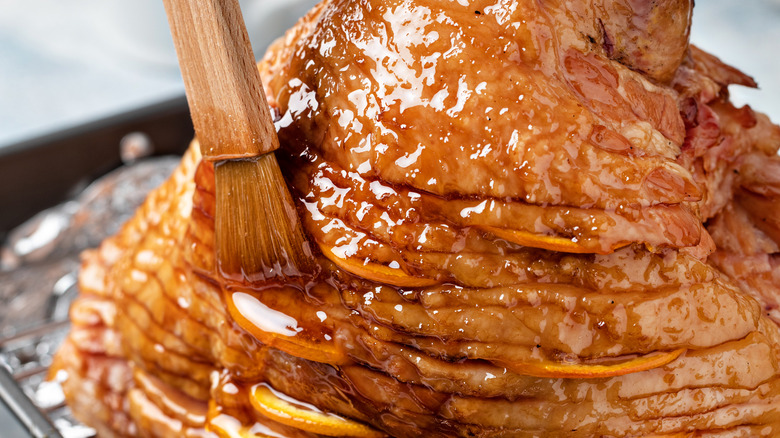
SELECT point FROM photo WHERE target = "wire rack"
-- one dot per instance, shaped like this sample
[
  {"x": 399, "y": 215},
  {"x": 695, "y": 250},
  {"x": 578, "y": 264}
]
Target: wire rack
[
  {"x": 31, "y": 395},
  {"x": 37, "y": 286}
]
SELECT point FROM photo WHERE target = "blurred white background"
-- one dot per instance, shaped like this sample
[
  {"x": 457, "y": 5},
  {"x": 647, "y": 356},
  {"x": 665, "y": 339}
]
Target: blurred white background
[
  {"x": 746, "y": 35},
  {"x": 69, "y": 62}
]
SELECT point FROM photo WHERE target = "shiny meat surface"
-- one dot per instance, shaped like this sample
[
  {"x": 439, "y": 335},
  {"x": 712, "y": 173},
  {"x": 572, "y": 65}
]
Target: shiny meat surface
[
  {"x": 533, "y": 219},
  {"x": 505, "y": 102}
]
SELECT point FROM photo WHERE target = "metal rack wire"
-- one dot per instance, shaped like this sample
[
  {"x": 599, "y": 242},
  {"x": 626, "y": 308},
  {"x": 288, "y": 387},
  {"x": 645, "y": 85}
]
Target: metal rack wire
[{"x": 32, "y": 396}]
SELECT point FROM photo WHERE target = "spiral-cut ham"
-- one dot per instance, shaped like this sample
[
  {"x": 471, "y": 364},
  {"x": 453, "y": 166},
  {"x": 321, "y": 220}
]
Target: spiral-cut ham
[{"x": 533, "y": 219}]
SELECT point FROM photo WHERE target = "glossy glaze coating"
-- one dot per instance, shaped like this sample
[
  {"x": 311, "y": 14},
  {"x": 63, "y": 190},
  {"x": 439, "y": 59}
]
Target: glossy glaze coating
[
  {"x": 485, "y": 100},
  {"x": 533, "y": 219}
]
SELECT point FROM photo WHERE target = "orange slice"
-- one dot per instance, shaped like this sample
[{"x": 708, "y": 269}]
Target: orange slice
[
  {"x": 543, "y": 241},
  {"x": 286, "y": 410},
  {"x": 227, "y": 426},
  {"x": 590, "y": 371},
  {"x": 375, "y": 271},
  {"x": 223, "y": 427},
  {"x": 279, "y": 331}
]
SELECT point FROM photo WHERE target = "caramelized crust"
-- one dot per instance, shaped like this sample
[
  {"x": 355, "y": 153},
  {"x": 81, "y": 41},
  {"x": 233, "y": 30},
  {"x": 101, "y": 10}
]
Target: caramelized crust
[{"x": 534, "y": 219}]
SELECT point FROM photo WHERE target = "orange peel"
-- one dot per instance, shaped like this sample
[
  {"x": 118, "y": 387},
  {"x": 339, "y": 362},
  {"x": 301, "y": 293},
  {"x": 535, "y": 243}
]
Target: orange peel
[
  {"x": 592, "y": 371},
  {"x": 376, "y": 271},
  {"x": 543, "y": 241},
  {"x": 285, "y": 410}
]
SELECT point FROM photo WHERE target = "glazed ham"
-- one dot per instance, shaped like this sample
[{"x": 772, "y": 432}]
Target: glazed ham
[{"x": 532, "y": 219}]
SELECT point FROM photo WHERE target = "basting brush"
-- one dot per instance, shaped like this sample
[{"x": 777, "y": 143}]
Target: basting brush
[{"x": 258, "y": 232}]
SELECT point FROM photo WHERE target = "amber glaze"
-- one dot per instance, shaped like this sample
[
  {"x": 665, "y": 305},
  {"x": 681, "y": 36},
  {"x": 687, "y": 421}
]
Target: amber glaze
[{"x": 513, "y": 204}]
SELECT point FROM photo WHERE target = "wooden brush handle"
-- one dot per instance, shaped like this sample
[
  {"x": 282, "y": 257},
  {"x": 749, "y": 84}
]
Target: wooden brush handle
[{"x": 223, "y": 86}]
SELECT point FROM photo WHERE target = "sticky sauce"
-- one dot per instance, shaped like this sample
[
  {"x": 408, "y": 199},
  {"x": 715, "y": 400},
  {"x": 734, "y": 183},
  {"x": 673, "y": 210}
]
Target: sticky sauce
[
  {"x": 280, "y": 317},
  {"x": 501, "y": 222}
]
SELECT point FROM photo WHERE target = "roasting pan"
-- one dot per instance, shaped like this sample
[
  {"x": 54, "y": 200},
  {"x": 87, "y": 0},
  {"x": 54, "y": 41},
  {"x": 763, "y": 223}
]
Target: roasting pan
[{"x": 36, "y": 175}]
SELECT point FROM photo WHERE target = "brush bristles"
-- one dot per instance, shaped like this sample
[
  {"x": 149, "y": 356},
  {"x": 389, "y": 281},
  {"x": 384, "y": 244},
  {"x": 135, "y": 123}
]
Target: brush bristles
[{"x": 258, "y": 233}]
